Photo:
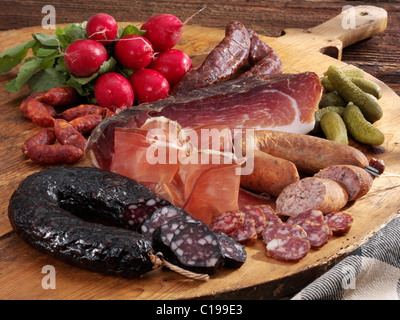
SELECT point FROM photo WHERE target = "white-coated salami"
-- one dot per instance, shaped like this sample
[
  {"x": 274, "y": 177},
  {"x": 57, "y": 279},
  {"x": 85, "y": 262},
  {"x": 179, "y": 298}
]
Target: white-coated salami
[
  {"x": 289, "y": 249},
  {"x": 228, "y": 221},
  {"x": 339, "y": 222},
  {"x": 281, "y": 231},
  {"x": 255, "y": 213}
]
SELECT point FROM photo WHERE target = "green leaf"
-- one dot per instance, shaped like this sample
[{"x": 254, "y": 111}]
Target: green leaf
[
  {"x": 14, "y": 56},
  {"x": 43, "y": 52},
  {"x": 26, "y": 71},
  {"x": 46, "y": 39},
  {"x": 85, "y": 86},
  {"x": 130, "y": 29},
  {"x": 46, "y": 79},
  {"x": 75, "y": 31}
]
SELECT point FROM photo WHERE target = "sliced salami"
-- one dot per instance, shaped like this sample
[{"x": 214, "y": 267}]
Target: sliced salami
[
  {"x": 255, "y": 213},
  {"x": 281, "y": 231},
  {"x": 317, "y": 233},
  {"x": 339, "y": 222},
  {"x": 270, "y": 215},
  {"x": 195, "y": 247},
  {"x": 310, "y": 215},
  {"x": 246, "y": 233},
  {"x": 158, "y": 218},
  {"x": 234, "y": 253},
  {"x": 289, "y": 249},
  {"x": 227, "y": 222}
]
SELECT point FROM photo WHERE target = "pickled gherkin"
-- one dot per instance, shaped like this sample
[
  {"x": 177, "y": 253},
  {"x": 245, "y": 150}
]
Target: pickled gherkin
[
  {"x": 359, "y": 128},
  {"x": 334, "y": 127},
  {"x": 352, "y": 93}
]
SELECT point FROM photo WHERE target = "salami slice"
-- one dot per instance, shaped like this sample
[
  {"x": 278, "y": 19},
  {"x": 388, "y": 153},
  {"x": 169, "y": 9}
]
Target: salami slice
[
  {"x": 255, "y": 213},
  {"x": 317, "y": 233},
  {"x": 310, "y": 215},
  {"x": 158, "y": 218},
  {"x": 289, "y": 249},
  {"x": 246, "y": 233},
  {"x": 339, "y": 222},
  {"x": 227, "y": 222},
  {"x": 270, "y": 215},
  {"x": 234, "y": 253},
  {"x": 282, "y": 231},
  {"x": 195, "y": 247}
]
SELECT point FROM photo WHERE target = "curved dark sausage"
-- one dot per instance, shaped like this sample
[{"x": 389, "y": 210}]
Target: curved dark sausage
[
  {"x": 221, "y": 63},
  {"x": 58, "y": 211}
]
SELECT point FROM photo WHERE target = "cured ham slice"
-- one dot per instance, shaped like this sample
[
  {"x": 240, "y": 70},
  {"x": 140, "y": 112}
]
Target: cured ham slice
[
  {"x": 204, "y": 182},
  {"x": 284, "y": 102}
]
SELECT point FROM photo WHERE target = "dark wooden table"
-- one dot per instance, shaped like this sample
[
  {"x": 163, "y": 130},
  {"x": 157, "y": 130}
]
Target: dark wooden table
[{"x": 379, "y": 56}]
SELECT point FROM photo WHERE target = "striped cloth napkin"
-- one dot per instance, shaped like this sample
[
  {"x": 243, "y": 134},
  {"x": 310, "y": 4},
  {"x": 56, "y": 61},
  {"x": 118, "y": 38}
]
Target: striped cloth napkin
[{"x": 371, "y": 272}]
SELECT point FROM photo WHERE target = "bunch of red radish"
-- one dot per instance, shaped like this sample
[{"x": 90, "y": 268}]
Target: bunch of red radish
[{"x": 157, "y": 66}]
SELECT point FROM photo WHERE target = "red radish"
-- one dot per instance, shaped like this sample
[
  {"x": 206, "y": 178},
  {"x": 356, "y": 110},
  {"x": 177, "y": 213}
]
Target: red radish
[
  {"x": 134, "y": 51},
  {"x": 173, "y": 64},
  {"x": 113, "y": 91},
  {"x": 84, "y": 57},
  {"x": 149, "y": 85},
  {"x": 163, "y": 31},
  {"x": 102, "y": 27}
]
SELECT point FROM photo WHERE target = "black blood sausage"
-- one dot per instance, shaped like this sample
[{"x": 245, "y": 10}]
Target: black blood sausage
[{"x": 82, "y": 216}]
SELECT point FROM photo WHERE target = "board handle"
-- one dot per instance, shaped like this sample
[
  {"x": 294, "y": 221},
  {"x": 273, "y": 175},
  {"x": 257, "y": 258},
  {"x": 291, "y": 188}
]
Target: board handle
[{"x": 353, "y": 24}]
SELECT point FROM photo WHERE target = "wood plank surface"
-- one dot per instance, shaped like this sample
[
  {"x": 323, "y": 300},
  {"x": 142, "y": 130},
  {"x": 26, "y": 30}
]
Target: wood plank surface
[{"x": 260, "y": 277}]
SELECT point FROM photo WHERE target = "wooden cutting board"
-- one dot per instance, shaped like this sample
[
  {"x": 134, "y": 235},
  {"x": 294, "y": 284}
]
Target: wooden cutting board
[{"x": 260, "y": 277}]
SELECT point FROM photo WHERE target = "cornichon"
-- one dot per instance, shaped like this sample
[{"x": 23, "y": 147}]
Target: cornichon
[
  {"x": 352, "y": 93},
  {"x": 334, "y": 127},
  {"x": 352, "y": 73},
  {"x": 368, "y": 86},
  {"x": 332, "y": 99},
  {"x": 359, "y": 128},
  {"x": 318, "y": 115}
]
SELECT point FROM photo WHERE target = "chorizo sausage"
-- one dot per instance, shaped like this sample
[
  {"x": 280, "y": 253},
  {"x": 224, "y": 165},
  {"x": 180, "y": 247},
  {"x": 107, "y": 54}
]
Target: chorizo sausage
[
  {"x": 309, "y": 153},
  {"x": 221, "y": 63},
  {"x": 83, "y": 110},
  {"x": 86, "y": 123},
  {"x": 67, "y": 135},
  {"x": 54, "y": 154},
  {"x": 309, "y": 193},
  {"x": 355, "y": 180},
  {"x": 53, "y": 211},
  {"x": 45, "y": 136},
  {"x": 40, "y": 113},
  {"x": 61, "y": 96}
]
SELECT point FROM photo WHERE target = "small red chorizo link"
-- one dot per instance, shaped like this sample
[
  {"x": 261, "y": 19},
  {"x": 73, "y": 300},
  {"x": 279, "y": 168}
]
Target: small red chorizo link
[
  {"x": 40, "y": 113},
  {"x": 61, "y": 96},
  {"x": 87, "y": 123},
  {"x": 52, "y": 154},
  {"x": 82, "y": 110},
  {"x": 67, "y": 135},
  {"x": 43, "y": 137},
  {"x": 23, "y": 106}
]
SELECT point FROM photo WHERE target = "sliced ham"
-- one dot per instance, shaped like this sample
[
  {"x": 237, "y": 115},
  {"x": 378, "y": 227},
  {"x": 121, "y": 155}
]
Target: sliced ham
[{"x": 284, "y": 102}]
